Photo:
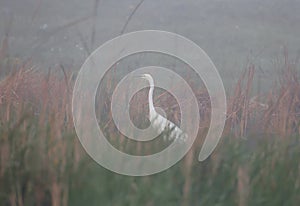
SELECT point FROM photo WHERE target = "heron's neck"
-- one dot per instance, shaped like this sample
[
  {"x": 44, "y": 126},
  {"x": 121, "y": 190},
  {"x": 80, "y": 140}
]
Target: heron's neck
[{"x": 150, "y": 100}]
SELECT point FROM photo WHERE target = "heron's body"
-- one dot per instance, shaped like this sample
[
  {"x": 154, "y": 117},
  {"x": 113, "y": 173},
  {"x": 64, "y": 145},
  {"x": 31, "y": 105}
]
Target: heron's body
[{"x": 163, "y": 126}]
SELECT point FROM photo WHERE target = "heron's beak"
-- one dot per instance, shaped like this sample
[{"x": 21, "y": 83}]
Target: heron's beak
[{"x": 140, "y": 76}]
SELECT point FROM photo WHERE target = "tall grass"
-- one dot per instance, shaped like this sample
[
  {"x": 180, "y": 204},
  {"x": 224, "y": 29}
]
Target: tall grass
[
  {"x": 42, "y": 163},
  {"x": 37, "y": 138}
]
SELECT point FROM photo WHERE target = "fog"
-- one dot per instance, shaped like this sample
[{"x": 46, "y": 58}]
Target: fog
[
  {"x": 232, "y": 32},
  {"x": 60, "y": 137}
]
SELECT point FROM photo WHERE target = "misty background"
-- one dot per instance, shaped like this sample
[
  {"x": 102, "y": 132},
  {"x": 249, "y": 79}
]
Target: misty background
[{"x": 233, "y": 33}]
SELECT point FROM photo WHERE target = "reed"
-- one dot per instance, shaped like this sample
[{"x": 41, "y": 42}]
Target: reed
[{"x": 42, "y": 162}]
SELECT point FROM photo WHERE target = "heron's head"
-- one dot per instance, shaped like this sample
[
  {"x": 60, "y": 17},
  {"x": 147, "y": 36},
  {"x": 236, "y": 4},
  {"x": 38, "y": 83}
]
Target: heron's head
[{"x": 147, "y": 77}]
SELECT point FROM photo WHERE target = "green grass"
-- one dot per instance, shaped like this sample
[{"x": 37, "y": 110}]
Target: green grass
[{"x": 273, "y": 170}]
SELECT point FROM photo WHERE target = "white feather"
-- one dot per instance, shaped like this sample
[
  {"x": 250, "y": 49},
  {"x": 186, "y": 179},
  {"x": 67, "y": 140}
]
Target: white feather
[{"x": 161, "y": 124}]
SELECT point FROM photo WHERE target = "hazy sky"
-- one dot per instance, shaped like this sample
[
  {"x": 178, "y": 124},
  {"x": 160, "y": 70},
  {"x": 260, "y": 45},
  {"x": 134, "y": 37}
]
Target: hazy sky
[{"x": 230, "y": 31}]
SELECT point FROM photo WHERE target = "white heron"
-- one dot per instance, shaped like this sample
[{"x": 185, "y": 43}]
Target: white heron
[{"x": 162, "y": 125}]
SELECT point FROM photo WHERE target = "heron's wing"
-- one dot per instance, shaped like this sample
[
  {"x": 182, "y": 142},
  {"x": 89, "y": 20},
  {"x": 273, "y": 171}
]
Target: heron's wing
[
  {"x": 175, "y": 133},
  {"x": 169, "y": 129},
  {"x": 159, "y": 123}
]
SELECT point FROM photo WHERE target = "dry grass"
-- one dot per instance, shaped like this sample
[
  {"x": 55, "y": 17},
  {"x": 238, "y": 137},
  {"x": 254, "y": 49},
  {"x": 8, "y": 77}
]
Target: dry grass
[{"x": 36, "y": 127}]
